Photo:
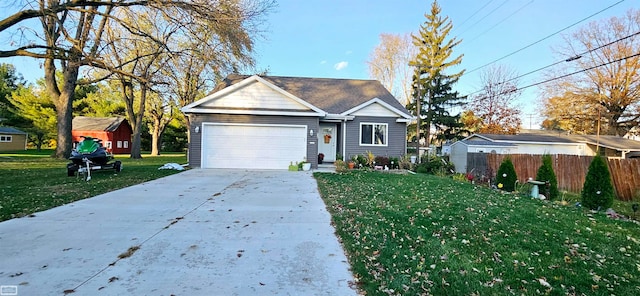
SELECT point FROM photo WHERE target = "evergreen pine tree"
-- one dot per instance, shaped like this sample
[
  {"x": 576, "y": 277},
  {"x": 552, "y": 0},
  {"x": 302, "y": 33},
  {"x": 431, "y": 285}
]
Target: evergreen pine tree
[
  {"x": 506, "y": 177},
  {"x": 430, "y": 83},
  {"x": 597, "y": 192},
  {"x": 546, "y": 173}
]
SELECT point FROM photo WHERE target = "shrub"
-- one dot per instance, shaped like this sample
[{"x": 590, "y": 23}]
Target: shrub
[
  {"x": 434, "y": 165},
  {"x": 422, "y": 169},
  {"x": 370, "y": 157},
  {"x": 506, "y": 177},
  {"x": 341, "y": 166},
  {"x": 405, "y": 162},
  {"x": 361, "y": 161},
  {"x": 546, "y": 173},
  {"x": 597, "y": 192},
  {"x": 382, "y": 160},
  {"x": 394, "y": 163}
]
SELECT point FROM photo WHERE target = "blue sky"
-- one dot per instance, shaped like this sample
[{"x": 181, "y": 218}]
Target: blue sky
[{"x": 333, "y": 38}]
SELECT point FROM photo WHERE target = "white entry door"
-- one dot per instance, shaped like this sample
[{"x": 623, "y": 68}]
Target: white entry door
[
  {"x": 249, "y": 146},
  {"x": 327, "y": 141}
]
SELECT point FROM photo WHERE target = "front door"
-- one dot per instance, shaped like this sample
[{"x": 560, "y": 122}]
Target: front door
[{"x": 327, "y": 139}]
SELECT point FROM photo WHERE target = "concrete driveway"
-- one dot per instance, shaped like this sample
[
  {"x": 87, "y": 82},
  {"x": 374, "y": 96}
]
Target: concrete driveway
[{"x": 200, "y": 232}]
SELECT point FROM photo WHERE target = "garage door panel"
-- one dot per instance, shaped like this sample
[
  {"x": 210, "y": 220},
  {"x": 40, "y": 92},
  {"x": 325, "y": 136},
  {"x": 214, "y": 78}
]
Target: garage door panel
[{"x": 252, "y": 146}]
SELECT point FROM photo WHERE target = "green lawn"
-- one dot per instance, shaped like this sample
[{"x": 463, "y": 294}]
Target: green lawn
[
  {"x": 32, "y": 181},
  {"x": 429, "y": 235}
]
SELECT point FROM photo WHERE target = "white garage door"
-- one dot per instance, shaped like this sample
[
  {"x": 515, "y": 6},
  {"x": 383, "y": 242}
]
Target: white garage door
[{"x": 252, "y": 146}]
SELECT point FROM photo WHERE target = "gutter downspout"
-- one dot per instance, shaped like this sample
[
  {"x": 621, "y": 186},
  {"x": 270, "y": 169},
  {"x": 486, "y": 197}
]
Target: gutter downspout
[{"x": 344, "y": 139}]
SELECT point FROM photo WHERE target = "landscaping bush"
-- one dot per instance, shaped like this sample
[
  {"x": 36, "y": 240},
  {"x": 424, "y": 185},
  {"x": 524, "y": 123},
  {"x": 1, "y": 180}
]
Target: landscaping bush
[
  {"x": 405, "y": 162},
  {"x": 382, "y": 160},
  {"x": 371, "y": 158},
  {"x": 361, "y": 161},
  {"x": 597, "y": 192},
  {"x": 341, "y": 166},
  {"x": 394, "y": 163},
  {"x": 506, "y": 177},
  {"x": 546, "y": 173},
  {"x": 434, "y": 165}
]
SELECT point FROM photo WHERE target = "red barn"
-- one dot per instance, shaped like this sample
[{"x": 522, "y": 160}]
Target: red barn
[{"x": 115, "y": 132}]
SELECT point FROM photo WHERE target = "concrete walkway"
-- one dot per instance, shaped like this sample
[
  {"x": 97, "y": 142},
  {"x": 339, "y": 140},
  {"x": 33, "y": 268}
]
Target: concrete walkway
[{"x": 200, "y": 232}]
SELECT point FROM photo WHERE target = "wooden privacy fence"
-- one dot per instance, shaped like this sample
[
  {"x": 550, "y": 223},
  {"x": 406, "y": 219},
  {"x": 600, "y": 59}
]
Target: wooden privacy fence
[{"x": 570, "y": 170}]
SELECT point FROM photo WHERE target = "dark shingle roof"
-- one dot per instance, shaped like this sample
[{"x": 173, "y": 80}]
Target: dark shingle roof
[
  {"x": 528, "y": 138},
  {"x": 331, "y": 95},
  {"x": 614, "y": 142},
  {"x": 608, "y": 141},
  {"x": 11, "y": 130},
  {"x": 107, "y": 124},
  {"x": 488, "y": 143}
]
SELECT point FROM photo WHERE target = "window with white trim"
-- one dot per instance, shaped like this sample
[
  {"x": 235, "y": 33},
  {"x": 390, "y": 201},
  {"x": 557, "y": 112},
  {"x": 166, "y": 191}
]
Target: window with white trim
[
  {"x": 109, "y": 144},
  {"x": 373, "y": 134},
  {"x": 126, "y": 144},
  {"x": 119, "y": 144},
  {"x": 6, "y": 138}
]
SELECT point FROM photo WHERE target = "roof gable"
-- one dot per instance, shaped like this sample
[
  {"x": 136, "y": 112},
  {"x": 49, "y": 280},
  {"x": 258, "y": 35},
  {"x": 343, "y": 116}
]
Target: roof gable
[
  {"x": 253, "y": 95},
  {"x": 332, "y": 96},
  {"x": 107, "y": 124},
  {"x": 376, "y": 107}
]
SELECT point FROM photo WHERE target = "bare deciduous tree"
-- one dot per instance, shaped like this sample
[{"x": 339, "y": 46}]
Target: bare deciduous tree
[
  {"x": 389, "y": 64},
  {"x": 72, "y": 31},
  {"x": 495, "y": 105}
]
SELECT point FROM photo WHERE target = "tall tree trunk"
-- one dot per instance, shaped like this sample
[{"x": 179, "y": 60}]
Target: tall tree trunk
[
  {"x": 156, "y": 136},
  {"x": 63, "y": 100},
  {"x": 136, "y": 142}
]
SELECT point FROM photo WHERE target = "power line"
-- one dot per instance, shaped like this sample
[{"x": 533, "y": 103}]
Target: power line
[
  {"x": 474, "y": 14},
  {"x": 545, "y": 38},
  {"x": 577, "y": 72},
  {"x": 573, "y": 58},
  {"x": 501, "y": 21},
  {"x": 488, "y": 14},
  {"x": 561, "y": 76}
]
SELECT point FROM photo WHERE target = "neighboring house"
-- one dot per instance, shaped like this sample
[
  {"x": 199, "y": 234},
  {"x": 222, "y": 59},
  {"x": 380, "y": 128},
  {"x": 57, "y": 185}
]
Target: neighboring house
[
  {"x": 268, "y": 122},
  {"x": 12, "y": 139},
  {"x": 542, "y": 143},
  {"x": 115, "y": 132}
]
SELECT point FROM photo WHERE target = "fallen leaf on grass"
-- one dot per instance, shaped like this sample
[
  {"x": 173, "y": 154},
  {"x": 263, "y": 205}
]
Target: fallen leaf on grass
[{"x": 544, "y": 282}]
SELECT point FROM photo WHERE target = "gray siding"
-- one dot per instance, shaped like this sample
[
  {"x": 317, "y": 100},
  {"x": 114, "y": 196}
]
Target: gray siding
[
  {"x": 397, "y": 133},
  {"x": 196, "y": 139}
]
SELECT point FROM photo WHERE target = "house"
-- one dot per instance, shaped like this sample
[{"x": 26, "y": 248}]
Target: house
[
  {"x": 269, "y": 122},
  {"x": 12, "y": 139},
  {"x": 539, "y": 143},
  {"x": 115, "y": 132}
]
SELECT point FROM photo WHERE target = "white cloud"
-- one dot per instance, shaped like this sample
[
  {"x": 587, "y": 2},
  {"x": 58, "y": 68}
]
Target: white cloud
[{"x": 341, "y": 65}]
